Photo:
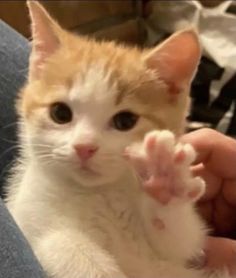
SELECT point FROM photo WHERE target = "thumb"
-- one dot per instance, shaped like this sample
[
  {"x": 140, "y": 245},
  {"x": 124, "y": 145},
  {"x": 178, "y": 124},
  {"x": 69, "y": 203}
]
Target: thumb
[{"x": 221, "y": 253}]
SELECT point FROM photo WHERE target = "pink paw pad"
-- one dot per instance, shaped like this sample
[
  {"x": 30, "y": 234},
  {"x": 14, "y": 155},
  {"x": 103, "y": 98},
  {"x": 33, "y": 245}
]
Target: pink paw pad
[
  {"x": 164, "y": 167},
  {"x": 158, "y": 223}
]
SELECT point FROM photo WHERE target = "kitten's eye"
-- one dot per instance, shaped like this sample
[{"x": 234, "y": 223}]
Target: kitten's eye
[
  {"x": 124, "y": 120},
  {"x": 61, "y": 113}
]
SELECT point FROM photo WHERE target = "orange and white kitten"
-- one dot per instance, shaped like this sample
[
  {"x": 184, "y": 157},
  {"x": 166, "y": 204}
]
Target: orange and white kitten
[{"x": 97, "y": 125}]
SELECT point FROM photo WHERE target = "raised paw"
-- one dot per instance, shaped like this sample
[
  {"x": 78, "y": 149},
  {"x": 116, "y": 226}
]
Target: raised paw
[{"x": 164, "y": 167}]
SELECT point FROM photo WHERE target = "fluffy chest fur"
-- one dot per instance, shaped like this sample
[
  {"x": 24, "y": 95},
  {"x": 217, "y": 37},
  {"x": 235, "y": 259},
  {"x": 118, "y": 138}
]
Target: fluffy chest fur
[
  {"x": 109, "y": 217},
  {"x": 108, "y": 225}
]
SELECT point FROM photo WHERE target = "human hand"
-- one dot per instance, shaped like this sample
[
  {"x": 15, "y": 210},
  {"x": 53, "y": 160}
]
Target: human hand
[{"x": 216, "y": 163}]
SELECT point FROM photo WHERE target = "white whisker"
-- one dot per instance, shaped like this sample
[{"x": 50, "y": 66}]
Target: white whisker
[
  {"x": 9, "y": 141},
  {"x": 7, "y": 151},
  {"x": 9, "y": 125}
]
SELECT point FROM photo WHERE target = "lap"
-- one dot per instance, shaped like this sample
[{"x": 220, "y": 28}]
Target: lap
[
  {"x": 16, "y": 256},
  {"x": 14, "y": 51}
]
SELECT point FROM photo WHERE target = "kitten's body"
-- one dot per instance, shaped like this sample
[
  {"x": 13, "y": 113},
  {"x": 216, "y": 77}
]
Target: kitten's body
[
  {"x": 97, "y": 221},
  {"x": 106, "y": 220}
]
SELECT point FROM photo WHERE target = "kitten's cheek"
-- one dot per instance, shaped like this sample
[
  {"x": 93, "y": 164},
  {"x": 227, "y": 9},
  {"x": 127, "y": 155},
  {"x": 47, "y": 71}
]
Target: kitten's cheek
[
  {"x": 131, "y": 152},
  {"x": 137, "y": 163},
  {"x": 128, "y": 155}
]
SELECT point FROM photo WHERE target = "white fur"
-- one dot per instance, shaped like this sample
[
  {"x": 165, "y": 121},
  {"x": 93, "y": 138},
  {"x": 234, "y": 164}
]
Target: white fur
[{"x": 96, "y": 226}]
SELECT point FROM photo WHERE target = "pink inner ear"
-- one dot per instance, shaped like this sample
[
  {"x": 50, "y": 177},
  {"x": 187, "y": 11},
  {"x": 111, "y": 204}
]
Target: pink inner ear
[
  {"x": 176, "y": 60},
  {"x": 45, "y": 40},
  {"x": 42, "y": 49}
]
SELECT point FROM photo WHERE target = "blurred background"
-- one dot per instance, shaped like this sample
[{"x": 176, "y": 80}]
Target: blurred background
[
  {"x": 147, "y": 23},
  {"x": 112, "y": 19}
]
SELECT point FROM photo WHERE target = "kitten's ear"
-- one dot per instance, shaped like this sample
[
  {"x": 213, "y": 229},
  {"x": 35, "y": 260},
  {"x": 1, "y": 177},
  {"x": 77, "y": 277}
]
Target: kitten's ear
[
  {"x": 176, "y": 60},
  {"x": 46, "y": 37}
]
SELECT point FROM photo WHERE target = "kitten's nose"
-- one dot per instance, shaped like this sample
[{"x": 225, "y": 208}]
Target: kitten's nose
[{"x": 85, "y": 151}]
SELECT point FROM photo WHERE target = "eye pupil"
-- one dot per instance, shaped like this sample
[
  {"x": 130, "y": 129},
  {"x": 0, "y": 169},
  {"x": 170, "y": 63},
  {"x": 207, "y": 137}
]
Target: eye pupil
[
  {"x": 124, "y": 120},
  {"x": 60, "y": 113}
]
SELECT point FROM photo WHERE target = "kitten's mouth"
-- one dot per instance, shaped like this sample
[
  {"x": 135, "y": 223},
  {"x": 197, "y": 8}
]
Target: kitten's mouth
[{"x": 85, "y": 169}]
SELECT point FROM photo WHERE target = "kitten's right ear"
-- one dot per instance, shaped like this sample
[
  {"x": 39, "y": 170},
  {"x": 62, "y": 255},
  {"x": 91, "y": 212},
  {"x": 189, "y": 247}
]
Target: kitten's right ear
[
  {"x": 46, "y": 35},
  {"x": 176, "y": 60}
]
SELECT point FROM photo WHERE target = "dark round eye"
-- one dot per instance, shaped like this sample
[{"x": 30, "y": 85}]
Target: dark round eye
[
  {"x": 124, "y": 120},
  {"x": 61, "y": 113}
]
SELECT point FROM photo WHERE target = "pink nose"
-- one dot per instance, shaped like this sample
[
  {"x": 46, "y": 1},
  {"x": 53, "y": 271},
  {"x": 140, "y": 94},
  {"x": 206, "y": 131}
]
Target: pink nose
[{"x": 85, "y": 151}]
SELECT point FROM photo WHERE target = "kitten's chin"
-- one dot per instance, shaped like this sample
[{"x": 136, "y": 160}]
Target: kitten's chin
[
  {"x": 90, "y": 178},
  {"x": 86, "y": 176},
  {"x": 92, "y": 181}
]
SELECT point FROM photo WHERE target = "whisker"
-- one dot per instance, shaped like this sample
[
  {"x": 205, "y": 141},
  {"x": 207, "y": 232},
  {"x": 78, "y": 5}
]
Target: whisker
[
  {"x": 51, "y": 157},
  {"x": 9, "y": 125},
  {"x": 9, "y": 141},
  {"x": 6, "y": 169},
  {"x": 42, "y": 156},
  {"x": 42, "y": 147},
  {"x": 8, "y": 150}
]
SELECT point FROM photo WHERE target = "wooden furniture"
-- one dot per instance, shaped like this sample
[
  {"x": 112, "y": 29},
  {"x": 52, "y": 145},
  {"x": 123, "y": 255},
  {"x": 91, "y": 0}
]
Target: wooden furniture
[{"x": 106, "y": 19}]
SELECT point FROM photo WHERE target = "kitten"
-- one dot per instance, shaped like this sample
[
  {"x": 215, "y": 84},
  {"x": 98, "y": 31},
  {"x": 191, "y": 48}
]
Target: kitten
[{"x": 87, "y": 115}]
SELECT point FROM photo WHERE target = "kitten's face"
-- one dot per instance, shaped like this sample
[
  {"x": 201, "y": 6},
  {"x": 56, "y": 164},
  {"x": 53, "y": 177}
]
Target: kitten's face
[
  {"x": 99, "y": 105},
  {"x": 85, "y": 102}
]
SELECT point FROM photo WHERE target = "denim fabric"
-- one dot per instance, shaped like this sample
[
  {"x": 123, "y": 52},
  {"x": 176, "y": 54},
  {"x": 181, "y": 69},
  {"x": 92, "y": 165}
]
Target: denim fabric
[
  {"x": 16, "y": 257},
  {"x": 14, "y": 52}
]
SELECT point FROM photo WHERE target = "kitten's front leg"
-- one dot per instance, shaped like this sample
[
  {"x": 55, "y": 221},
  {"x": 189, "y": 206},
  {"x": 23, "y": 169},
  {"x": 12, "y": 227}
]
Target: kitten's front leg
[
  {"x": 173, "y": 226},
  {"x": 67, "y": 253}
]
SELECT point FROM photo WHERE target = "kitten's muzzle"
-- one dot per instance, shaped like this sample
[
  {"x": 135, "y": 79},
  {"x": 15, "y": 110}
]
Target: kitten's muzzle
[{"x": 85, "y": 151}]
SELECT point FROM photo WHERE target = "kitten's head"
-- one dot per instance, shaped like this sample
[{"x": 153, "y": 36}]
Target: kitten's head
[{"x": 85, "y": 101}]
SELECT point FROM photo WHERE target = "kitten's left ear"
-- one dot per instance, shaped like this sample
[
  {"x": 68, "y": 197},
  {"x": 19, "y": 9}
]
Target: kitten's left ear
[
  {"x": 176, "y": 60},
  {"x": 46, "y": 35}
]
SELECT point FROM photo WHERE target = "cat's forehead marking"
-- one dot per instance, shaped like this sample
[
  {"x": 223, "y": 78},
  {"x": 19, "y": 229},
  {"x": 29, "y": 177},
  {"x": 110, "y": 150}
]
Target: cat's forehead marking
[
  {"x": 119, "y": 97},
  {"x": 94, "y": 82}
]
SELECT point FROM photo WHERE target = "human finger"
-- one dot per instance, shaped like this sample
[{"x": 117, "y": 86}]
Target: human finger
[
  {"x": 215, "y": 150},
  {"x": 229, "y": 191},
  {"x": 221, "y": 253}
]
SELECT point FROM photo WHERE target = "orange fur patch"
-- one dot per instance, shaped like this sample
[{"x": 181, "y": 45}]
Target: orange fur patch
[{"x": 137, "y": 86}]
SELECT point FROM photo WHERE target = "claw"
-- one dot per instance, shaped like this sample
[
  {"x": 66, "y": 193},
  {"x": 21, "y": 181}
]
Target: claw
[
  {"x": 179, "y": 156},
  {"x": 150, "y": 141}
]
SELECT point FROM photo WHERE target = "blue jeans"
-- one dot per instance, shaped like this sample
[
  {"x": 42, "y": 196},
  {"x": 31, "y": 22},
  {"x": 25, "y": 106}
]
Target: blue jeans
[
  {"x": 14, "y": 52},
  {"x": 16, "y": 257}
]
